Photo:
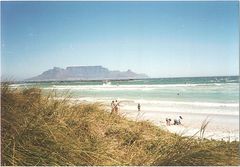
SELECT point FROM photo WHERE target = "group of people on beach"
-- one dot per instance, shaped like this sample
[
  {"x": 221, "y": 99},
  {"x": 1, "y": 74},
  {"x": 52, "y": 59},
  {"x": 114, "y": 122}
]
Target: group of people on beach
[
  {"x": 115, "y": 106},
  {"x": 176, "y": 121}
]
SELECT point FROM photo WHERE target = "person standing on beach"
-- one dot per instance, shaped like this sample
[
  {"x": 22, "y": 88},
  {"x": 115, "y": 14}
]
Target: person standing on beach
[
  {"x": 168, "y": 121},
  {"x": 116, "y": 106},
  {"x": 139, "y": 107},
  {"x": 113, "y": 107}
]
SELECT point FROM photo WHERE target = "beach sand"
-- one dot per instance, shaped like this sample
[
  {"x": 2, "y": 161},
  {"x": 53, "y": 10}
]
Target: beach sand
[{"x": 220, "y": 127}]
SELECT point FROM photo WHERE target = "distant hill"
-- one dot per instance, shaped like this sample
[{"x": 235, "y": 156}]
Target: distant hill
[{"x": 85, "y": 73}]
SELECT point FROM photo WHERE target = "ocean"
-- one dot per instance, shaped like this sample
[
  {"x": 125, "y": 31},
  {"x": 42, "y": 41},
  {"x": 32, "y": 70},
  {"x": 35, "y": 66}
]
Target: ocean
[{"x": 218, "y": 95}]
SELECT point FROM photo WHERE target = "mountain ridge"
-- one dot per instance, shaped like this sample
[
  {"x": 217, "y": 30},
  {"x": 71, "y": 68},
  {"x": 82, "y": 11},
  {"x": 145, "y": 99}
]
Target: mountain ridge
[{"x": 85, "y": 73}]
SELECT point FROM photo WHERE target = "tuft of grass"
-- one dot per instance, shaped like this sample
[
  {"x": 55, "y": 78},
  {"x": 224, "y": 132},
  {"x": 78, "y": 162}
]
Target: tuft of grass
[{"x": 39, "y": 130}]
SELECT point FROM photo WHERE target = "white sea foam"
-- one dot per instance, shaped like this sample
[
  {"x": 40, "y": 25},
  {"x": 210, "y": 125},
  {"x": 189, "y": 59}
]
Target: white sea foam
[
  {"x": 130, "y": 87},
  {"x": 19, "y": 85}
]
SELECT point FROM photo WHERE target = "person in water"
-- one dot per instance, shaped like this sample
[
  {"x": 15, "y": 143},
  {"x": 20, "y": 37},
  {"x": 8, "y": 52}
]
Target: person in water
[{"x": 139, "y": 107}]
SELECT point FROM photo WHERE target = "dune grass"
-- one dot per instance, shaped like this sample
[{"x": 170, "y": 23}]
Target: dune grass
[{"x": 39, "y": 130}]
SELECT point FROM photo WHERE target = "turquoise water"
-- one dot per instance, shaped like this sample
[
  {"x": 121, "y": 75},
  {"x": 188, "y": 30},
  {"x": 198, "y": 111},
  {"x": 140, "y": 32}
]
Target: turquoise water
[{"x": 191, "y": 89}]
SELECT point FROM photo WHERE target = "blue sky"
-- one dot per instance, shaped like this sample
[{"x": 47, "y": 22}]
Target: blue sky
[{"x": 161, "y": 39}]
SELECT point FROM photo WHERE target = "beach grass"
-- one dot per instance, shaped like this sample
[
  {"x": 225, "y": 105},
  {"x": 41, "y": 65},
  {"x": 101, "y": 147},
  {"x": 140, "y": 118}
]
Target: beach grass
[{"x": 37, "y": 129}]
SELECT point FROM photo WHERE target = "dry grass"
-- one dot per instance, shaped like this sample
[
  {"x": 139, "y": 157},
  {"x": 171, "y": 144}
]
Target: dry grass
[{"x": 38, "y": 130}]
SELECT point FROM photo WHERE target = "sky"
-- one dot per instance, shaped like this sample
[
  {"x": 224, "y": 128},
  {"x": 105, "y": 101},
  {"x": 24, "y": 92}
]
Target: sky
[{"x": 160, "y": 39}]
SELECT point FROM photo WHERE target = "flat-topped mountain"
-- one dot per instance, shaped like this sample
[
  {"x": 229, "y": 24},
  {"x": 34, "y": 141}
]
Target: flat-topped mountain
[{"x": 85, "y": 73}]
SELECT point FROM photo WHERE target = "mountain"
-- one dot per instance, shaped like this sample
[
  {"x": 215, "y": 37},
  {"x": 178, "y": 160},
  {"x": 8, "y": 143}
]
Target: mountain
[{"x": 85, "y": 73}]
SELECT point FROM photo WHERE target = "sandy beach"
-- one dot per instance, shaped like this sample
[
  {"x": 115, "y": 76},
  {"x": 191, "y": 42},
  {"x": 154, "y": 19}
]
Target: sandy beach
[{"x": 219, "y": 127}]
